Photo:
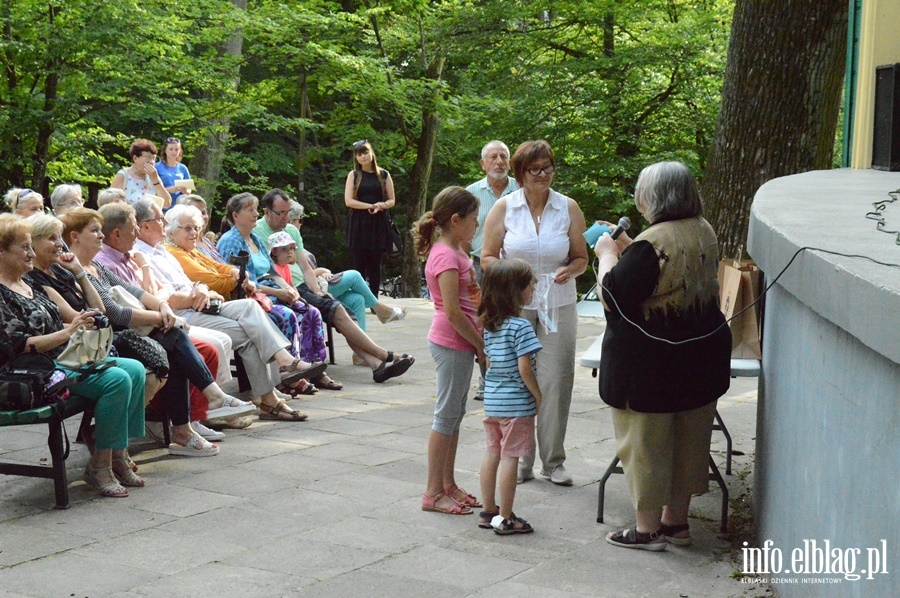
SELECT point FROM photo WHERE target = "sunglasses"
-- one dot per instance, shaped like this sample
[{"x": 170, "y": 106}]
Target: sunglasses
[
  {"x": 360, "y": 145},
  {"x": 24, "y": 192},
  {"x": 173, "y": 140}
]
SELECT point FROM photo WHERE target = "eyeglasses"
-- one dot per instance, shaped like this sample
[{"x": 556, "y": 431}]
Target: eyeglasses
[
  {"x": 549, "y": 169},
  {"x": 280, "y": 214},
  {"x": 190, "y": 229},
  {"x": 360, "y": 145},
  {"x": 173, "y": 140}
]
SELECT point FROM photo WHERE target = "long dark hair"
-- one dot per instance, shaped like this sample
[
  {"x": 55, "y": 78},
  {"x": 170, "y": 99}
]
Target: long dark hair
[
  {"x": 501, "y": 293},
  {"x": 450, "y": 201}
]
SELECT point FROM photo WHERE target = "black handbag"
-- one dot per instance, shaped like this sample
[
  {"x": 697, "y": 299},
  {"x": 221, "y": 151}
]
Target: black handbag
[
  {"x": 30, "y": 380},
  {"x": 395, "y": 237}
]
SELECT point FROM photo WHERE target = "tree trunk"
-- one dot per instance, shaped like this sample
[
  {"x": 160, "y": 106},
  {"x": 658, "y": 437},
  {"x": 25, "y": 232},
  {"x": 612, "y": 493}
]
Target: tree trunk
[
  {"x": 419, "y": 177},
  {"x": 779, "y": 108},
  {"x": 46, "y": 128},
  {"x": 207, "y": 162}
]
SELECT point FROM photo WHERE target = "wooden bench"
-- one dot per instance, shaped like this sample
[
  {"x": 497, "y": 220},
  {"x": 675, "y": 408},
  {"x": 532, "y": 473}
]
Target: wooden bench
[
  {"x": 740, "y": 368},
  {"x": 59, "y": 449}
]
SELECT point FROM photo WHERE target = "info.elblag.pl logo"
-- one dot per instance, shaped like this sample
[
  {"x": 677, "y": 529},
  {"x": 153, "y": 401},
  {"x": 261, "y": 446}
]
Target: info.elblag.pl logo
[{"x": 821, "y": 560}]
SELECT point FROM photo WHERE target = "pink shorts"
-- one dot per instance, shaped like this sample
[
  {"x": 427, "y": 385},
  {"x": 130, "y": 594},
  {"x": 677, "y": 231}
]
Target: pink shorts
[{"x": 510, "y": 436}]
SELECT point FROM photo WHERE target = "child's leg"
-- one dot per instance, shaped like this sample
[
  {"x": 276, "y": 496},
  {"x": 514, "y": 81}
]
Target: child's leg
[
  {"x": 449, "y": 479},
  {"x": 507, "y": 480},
  {"x": 489, "y": 481}
]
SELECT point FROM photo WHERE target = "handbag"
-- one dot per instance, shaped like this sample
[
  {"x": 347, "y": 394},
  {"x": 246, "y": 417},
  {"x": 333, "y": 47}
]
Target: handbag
[
  {"x": 30, "y": 380},
  {"x": 395, "y": 237},
  {"x": 122, "y": 297},
  {"x": 264, "y": 302},
  {"x": 86, "y": 347}
]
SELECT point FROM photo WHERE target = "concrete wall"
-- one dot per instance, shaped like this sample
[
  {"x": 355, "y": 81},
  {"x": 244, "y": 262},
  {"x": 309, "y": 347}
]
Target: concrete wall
[{"x": 827, "y": 446}]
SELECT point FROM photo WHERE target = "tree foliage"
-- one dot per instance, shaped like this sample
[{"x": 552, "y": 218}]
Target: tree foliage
[{"x": 613, "y": 85}]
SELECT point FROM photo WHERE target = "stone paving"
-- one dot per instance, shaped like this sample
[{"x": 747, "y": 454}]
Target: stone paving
[{"x": 331, "y": 506}]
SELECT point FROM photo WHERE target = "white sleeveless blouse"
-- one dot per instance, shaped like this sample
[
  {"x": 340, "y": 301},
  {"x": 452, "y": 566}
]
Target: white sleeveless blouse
[{"x": 545, "y": 252}]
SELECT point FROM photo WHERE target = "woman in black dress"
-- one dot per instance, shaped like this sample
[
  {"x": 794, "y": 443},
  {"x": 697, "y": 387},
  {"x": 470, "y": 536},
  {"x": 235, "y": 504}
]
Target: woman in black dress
[{"x": 369, "y": 193}]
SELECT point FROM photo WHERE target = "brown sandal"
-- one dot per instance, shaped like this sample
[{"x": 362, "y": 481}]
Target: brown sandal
[
  {"x": 273, "y": 412},
  {"x": 329, "y": 384}
]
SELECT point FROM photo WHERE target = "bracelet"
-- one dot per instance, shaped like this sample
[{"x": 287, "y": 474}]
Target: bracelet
[
  {"x": 81, "y": 275},
  {"x": 146, "y": 266}
]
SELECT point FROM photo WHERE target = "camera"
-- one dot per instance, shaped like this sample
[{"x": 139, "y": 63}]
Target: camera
[
  {"x": 214, "y": 307},
  {"x": 100, "y": 321}
]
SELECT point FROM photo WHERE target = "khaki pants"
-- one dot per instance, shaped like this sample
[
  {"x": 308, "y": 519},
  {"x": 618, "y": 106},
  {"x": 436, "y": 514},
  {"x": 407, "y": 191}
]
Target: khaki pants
[
  {"x": 664, "y": 455},
  {"x": 556, "y": 377}
]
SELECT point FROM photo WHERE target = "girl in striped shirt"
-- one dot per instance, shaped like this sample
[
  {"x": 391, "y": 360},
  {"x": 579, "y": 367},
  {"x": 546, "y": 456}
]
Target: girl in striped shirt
[{"x": 511, "y": 393}]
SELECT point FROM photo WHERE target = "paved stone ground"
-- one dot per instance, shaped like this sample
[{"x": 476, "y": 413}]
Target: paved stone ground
[{"x": 330, "y": 507}]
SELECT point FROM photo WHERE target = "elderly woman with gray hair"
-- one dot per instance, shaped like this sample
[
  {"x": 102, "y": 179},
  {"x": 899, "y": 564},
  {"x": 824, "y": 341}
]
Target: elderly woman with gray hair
[
  {"x": 24, "y": 202},
  {"x": 66, "y": 198},
  {"x": 666, "y": 353}
]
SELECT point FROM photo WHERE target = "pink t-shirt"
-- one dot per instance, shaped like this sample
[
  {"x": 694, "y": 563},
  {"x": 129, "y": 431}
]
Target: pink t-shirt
[{"x": 441, "y": 259}]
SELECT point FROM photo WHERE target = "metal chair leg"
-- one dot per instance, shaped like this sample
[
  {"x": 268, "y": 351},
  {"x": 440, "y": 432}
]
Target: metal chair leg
[
  {"x": 613, "y": 468},
  {"x": 716, "y": 476},
  {"x": 720, "y": 425}
]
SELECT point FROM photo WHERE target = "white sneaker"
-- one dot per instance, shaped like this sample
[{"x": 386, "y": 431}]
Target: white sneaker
[
  {"x": 206, "y": 433},
  {"x": 155, "y": 431},
  {"x": 558, "y": 475},
  {"x": 525, "y": 474}
]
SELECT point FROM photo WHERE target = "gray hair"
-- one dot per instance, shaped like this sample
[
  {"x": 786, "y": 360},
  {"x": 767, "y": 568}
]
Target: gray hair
[
  {"x": 143, "y": 210},
  {"x": 44, "y": 225},
  {"x": 62, "y": 192},
  {"x": 13, "y": 200},
  {"x": 175, "y": 215},
  {"x": 484, "y": 150},
  {"x": 295, "y": 211},
  {"x": 667, "y": 191},
  {"x": 188, "y": 198},
  {"x": 111, "y": 195},
  {"x": 116, "y": 215}
]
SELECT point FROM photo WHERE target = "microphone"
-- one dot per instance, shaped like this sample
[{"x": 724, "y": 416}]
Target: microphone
[{"x": 624, "y": 224}]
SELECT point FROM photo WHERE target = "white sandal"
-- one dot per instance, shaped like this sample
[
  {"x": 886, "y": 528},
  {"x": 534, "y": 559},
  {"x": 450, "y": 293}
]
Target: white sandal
[
  {"x": 397, "y": 314},
  {"x": 197, "y": 447}
]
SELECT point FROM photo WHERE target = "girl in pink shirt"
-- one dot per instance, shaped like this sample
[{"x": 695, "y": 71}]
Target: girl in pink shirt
[{"x": 454, "y": 340}]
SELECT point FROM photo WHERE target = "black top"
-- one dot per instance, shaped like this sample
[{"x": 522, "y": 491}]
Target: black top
[
  {"x": 365, "y": 230},
  {"x": 64, "y": 283},
  {"x": 24, "y": 318},
  {"x": 650, "y": 376}
]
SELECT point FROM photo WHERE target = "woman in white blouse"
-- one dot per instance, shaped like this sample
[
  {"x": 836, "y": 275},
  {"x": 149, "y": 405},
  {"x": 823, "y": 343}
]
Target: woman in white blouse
[{"x": 545, "y": 229}]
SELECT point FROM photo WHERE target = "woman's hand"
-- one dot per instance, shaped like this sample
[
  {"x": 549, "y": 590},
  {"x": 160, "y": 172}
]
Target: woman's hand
[
  {"x": 606, "y": 246},
  {"x": 284, "y": 295},
  {"x": 84, "y": 318},
  {"x": 562, "y": 275},
  {"x": 70, "y": 263},
  {"x": 167, "y": 316},
  {"x": 248, "y": 286}
]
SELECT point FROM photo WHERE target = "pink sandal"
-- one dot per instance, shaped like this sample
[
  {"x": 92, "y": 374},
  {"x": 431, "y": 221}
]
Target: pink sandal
[
  {"x": 463, "y": 497},
  {"x": 428, "y": 504}
]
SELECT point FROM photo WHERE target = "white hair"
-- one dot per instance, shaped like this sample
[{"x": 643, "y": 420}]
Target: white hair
[
  {"x": 175, "y": 215},
  {"x": 484, "y": 150}
]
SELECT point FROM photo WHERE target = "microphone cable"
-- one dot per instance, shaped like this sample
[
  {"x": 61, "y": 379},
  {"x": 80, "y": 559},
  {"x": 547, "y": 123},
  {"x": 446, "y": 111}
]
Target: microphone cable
[{"x": 761, "y": 295}]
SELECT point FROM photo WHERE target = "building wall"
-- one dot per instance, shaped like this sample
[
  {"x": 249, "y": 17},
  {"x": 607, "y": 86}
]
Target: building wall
[{"x": 828, "y": 435}]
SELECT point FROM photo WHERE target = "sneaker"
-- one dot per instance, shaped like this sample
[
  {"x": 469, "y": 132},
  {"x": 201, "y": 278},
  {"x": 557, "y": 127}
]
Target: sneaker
[
  {"x": 206, "y": 433},
  {"x": 631, "y": 538},
  {"x": 558, "y": 475},
  {"x": 525, "y": 474},
  {"x": 155, "y": 431}
]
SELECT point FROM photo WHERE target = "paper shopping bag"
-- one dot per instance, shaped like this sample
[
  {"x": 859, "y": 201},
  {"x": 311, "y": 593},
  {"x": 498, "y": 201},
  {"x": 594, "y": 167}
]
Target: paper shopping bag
[{"x": 739, "y": 286}]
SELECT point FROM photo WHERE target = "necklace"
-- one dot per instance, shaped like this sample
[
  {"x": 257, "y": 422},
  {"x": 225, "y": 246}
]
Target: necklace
[{"x": 19, "y": 287}]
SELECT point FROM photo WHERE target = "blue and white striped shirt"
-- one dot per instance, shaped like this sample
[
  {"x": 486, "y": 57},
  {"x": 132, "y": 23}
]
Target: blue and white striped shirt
[{"x": 505, "y": 393}]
